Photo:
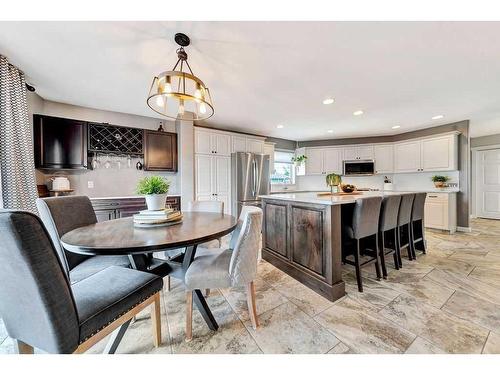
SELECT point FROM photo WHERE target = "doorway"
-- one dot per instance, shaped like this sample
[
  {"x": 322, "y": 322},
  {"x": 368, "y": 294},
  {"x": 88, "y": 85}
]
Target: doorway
[{"x": 488, "y": 183}]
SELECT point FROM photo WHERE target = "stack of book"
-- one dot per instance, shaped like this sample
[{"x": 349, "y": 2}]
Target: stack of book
[{"x": 167, "y": 216}]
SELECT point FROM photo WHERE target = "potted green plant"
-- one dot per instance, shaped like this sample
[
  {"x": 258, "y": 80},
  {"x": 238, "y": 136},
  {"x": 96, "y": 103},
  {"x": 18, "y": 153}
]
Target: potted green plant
[
  {"x": 298, "y": 160},
  {"x": 440, "y": 181},
  {"x": 155, "y": 190},
  {"x": 332, "y": 180}
]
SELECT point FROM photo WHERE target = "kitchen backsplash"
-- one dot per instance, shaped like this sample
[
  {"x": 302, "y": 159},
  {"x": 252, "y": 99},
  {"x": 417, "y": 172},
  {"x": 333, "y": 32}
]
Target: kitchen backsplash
[
  {"x": 108, "y": 182},
  {"x": 401, "y": 181}
]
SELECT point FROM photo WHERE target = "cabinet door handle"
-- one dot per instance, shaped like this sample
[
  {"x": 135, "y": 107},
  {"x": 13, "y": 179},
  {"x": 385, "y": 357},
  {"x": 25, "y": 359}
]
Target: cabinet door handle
[{"x": 432, "y": 196}]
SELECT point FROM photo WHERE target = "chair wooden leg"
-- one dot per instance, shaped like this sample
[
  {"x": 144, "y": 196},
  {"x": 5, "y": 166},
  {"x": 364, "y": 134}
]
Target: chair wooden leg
[
  {"x": 189, "y": 315},
  {"x": 358, "y": 267},
  {"x": 252, "y": 309},
  {"x": 23, "y": 348},
  {"x": 382, "y": 254},
  {"x": 156, "y": 320},
  {"x": 168, "y": 283},
  {"x": 409, "y": 250},
  {"x": 207, "y": 293}
]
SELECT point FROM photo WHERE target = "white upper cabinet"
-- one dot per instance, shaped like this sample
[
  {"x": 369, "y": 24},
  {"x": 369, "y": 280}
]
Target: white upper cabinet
[
  {"x": 211, "y": 142},
  {"x": 255, "y": 145},
  {"x": 440, "y": 153},
  {"x": 384, "y": 158},
  {"x": 314, "y": 162},
  {"x": 358, "y": 152},
  {"x": 407, "y": 156},
  {"x": 350, "y": 153},
  {"x": 332, "y": 160},
  {"x": 323, "y": 161},
  {"x": 221, "y": 144},
  {"x": 202, "y": 143},
  {"x": 245, "y": 144},
  {"x": 239, "y": 144},
  {"x": 427, "y": 154},
  {"x": 365, "y": 152}
]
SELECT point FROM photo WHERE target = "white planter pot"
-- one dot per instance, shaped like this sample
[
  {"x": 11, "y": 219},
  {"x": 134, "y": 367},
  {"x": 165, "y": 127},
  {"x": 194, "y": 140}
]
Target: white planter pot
[{"x": 156, "y": 202}]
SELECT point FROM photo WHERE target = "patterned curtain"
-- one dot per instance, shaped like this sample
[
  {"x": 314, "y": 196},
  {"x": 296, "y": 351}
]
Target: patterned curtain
[{"x": 17, "y": 166}]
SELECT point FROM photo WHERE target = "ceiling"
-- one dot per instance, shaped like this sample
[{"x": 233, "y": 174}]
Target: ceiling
[{"x": 264, "y": 74}]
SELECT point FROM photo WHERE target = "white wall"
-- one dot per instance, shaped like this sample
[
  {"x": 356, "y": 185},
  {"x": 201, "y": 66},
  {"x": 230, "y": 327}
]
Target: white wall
[{"x": 112, "y": 182}]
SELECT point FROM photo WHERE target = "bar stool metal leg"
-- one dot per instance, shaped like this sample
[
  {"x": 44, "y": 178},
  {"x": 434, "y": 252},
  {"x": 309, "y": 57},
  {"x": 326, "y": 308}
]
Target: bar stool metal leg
[
  {"x": 358, "y": 267},
  {"x": 382, "y": 254}
]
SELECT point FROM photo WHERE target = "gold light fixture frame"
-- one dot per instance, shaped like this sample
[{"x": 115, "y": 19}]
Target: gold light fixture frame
[{"x": 182, "y": 86}]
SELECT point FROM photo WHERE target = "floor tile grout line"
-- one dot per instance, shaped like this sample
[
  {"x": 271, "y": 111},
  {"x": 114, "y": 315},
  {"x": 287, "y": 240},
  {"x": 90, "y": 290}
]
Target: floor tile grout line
[
  {"x": 452, "y": 294},
  {"x": 480, "y": 325},
  {"x": 485, "y": 341}
]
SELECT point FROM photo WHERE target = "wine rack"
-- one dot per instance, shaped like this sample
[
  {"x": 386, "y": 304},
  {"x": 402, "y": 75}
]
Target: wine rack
[{"x": 111, "y": 139}]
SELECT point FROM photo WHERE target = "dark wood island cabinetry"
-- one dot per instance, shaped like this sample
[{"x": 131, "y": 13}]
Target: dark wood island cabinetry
[{"x": 303, "y": 240}]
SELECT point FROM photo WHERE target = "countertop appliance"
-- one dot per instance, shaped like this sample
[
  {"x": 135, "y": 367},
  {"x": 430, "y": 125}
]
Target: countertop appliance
[
  {"x": 359, "y": 167},
  {"x": 249, "y": 179},
  {"x": 60, "y": 183}
]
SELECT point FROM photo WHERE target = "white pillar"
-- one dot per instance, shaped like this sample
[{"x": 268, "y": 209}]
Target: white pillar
[{"x": 185, "y": 132}]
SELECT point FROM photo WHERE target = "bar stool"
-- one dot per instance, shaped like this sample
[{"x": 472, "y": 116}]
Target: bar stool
[
  {"x": 404, "y": 231},
  {"x": 362, "y": 228},
  {"x": 417, "y": 224},
  {"x": 388, "y": 224}
]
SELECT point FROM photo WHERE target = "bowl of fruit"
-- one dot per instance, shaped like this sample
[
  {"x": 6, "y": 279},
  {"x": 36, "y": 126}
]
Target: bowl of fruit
[{"x": 348, "y": 188}]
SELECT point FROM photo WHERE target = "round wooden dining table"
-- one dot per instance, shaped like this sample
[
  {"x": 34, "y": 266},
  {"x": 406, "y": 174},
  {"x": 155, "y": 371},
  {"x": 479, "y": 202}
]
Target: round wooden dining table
[{"x": 121, "y": 237}]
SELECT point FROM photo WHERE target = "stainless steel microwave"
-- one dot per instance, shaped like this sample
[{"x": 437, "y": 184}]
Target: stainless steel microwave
[{"x": 359, "y": 167}]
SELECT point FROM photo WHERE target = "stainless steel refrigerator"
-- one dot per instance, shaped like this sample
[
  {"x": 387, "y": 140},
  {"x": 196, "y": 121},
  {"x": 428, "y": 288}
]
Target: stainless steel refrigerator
[{"x": 249, "y": 179}]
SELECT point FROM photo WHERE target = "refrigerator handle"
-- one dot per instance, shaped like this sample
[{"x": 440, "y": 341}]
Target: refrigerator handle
[{"x": 254, "y": 178}]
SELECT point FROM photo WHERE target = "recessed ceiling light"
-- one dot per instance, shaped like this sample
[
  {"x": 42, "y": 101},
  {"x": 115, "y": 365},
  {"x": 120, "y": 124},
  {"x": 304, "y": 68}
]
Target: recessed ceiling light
[
  {"x": 437, "y": 117},
  {"x": 396, "y": 127},
  {"x": 330, "y": 131},
  {"x": 280, "y": 126},
  {"x": 357, "y": 113},
  {"x": 328, "y": 101}
]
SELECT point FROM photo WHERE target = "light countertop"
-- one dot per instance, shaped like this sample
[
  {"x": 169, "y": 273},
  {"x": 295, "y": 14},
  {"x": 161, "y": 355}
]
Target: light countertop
[
  {"x": 311, "y": 197},
  {"x": 129, "y": 197}
]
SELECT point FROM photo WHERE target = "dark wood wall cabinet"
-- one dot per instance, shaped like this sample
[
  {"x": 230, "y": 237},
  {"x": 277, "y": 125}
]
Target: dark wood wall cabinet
[
  {"x": 62, "y": 143},
  {"x": 59, "y": 143},
  {"x": 303, "y": 240},
  {"x": 160, "y": 151},
  {"x": 116, "y": 208}
]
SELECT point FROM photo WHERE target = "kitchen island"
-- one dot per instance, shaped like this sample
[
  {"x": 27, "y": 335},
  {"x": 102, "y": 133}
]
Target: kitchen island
[{"x": 302, "y": 237}]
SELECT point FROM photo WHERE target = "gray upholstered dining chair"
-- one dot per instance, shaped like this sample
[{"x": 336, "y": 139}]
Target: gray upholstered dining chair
[
  {"x": 201, "y": 206},
  {"x": 228, "y": 267},
  {"x": 63, "y": 214},
  {"x": 42, "y": 309}
]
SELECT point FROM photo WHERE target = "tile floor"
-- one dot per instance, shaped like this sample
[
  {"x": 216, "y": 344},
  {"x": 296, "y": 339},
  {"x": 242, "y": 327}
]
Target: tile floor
[{"x": 447, "y": 301}]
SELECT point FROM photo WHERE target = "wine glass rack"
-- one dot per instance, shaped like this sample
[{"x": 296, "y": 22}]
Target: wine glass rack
[{"x": 111, "y": 139}]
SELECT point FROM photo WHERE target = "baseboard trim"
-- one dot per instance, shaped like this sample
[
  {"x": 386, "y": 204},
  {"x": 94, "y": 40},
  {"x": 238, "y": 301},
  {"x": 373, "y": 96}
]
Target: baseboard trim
[{"x": 464, "y": 229}]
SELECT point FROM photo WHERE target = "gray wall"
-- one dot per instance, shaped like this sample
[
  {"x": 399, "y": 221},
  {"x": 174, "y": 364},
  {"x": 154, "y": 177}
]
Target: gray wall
[
  {"x": 283, "y": 144},
  {"x": 107, "y": 182},
  {"x": 464, "y": 157},
  {"x": 488, "y": 140}
]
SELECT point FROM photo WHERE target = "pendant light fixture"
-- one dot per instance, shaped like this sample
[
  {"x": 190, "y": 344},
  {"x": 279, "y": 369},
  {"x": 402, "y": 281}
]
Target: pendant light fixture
[{"x": 177, "y": 91}]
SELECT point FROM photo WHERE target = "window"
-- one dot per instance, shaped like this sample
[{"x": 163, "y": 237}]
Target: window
[{"x": 283, "y": 172}]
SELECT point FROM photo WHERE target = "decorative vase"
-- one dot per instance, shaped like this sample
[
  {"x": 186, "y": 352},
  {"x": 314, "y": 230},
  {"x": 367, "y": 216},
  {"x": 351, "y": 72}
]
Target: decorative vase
[
  {"x": 388, "y": 186},
  {"x": 156, "y": 202},
  {"x": 439, "y": 184}
]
